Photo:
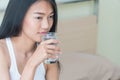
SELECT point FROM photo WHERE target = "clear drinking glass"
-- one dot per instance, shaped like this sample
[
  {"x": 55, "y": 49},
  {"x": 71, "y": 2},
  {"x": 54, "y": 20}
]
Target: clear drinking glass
[{"x": 51, "y": 35}]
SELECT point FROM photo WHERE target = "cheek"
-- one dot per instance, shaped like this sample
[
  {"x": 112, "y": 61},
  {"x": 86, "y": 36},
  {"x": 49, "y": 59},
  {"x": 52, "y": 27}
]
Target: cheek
[
  {"x": 29, "y": 27},
  {"x": 28, "y": 23}
]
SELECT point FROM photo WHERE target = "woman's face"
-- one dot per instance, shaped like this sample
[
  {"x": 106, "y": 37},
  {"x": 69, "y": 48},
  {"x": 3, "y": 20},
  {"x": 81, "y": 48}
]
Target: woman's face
[{"x": 38, "y": 20}]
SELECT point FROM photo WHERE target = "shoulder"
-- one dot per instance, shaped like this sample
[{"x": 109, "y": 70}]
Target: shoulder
[
  {"x": 2, "y": 46},
  {"x": 4, "y": 61},
  {"x": 4, "y": 56}
]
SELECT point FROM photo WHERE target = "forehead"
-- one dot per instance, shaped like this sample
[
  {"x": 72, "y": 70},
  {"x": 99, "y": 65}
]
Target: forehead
[{"x": 41, "y": 6}]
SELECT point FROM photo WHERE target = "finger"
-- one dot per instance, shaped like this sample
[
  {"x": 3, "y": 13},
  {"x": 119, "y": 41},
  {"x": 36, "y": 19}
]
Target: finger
[
  {"x": 54, "y": 41},
  {"x": 53, "y": 47},
  {"x": 52, "y": 56},
  {"x": 52, "y": 52}
]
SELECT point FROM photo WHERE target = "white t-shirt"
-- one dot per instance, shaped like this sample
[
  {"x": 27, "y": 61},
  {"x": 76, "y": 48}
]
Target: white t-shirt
[{"x": 14, "y": 73}]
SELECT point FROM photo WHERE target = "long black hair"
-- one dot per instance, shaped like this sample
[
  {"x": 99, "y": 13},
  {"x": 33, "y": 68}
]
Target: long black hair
[{"x": 14, "y": 15}]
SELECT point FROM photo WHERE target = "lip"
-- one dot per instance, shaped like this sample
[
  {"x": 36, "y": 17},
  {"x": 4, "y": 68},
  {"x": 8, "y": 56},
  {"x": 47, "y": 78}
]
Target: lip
[{"x": 43, "y": 33}]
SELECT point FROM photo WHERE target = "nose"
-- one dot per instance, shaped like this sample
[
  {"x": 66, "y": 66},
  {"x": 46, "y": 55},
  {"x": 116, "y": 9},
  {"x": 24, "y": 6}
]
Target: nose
[{"x": 45, "y": 24}]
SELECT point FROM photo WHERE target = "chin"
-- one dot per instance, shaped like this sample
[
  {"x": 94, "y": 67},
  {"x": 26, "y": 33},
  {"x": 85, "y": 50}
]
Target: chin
[{"x": 38, "y": 40}]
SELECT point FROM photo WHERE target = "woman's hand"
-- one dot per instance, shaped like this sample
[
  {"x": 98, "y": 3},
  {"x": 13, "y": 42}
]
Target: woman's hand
[{"x": 46, "y": 49}]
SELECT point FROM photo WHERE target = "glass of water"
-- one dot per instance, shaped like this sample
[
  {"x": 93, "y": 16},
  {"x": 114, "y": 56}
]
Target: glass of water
[{"x": 51, "y": 35}]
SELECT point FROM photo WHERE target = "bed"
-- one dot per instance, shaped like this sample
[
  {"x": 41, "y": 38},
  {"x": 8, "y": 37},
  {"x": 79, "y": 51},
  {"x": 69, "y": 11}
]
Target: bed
[{"x": 83, "y": 66}]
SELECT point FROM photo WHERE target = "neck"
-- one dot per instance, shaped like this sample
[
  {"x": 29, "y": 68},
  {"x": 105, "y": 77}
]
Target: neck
[{"x": 23, "y": 45}]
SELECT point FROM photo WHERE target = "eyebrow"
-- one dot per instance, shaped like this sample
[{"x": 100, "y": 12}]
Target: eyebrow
[{"x": 42, "y": 13}]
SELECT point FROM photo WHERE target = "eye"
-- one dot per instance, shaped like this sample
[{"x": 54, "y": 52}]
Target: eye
[
  {"x": 39, "y": 17},
  {"x": 51, "y": 17}
]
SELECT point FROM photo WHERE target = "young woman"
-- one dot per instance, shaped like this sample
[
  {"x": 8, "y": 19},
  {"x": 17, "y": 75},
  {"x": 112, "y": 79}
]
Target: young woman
[{"x": 24, "y": 24}]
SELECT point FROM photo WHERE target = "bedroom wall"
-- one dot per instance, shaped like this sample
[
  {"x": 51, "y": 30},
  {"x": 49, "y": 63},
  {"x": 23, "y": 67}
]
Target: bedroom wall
[
  {"x": 1, "y": 16},
  {"x": 77, "y": 28},
  {"x": 109, "y": 30}
]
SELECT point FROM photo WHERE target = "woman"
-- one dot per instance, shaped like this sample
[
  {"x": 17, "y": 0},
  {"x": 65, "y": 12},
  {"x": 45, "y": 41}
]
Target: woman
[{"x": 24, "y": 24}]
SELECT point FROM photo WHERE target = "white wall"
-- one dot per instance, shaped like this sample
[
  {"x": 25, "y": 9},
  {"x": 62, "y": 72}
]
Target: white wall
[
  {"x": 109, "y": 30},
  {"x": 1, "y": 16},
  {"x": 76, "y": 10},
  {"x": 3, "y": 4}
]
